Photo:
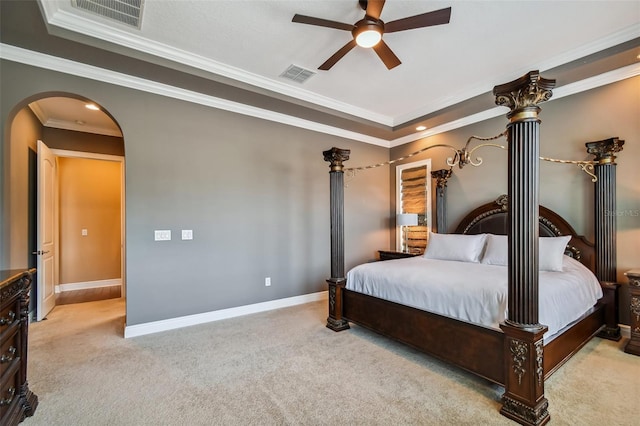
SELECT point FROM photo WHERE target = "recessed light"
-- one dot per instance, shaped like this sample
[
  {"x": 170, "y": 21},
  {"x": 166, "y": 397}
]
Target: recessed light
[
  {"x": 80, "y": 122},
  {"x": 421, "y": 128},
  {"x": 92, "y": 107}
]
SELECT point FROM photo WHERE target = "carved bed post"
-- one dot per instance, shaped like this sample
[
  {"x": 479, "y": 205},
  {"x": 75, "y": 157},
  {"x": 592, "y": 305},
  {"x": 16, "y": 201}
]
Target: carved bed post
[
  {"x": 523, "y": 399},
  {"x": 605, "y": 228},
  {"x": 337, "y": 281},
  {"x": 441, "y": 176}
]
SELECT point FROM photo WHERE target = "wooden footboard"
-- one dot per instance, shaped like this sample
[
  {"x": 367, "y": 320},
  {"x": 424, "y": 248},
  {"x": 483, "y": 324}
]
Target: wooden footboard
[
  {"x": 477, "y": 349},
  {"x": 474, "y": 348}
]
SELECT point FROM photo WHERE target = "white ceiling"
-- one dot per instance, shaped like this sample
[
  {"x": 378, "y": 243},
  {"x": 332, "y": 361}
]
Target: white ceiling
[
  {"x": 72, "y": 114},
  {"x": 253, "y": 42}
]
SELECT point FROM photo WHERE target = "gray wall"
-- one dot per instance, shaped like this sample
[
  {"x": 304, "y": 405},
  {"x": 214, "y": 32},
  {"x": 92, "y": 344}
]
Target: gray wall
[
  {"x": 567, "y": 123},
  {"x": 255, "y": 194}
]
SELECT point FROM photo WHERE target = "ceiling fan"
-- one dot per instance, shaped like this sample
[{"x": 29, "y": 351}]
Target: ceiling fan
[{"x": 368, "y": 31}]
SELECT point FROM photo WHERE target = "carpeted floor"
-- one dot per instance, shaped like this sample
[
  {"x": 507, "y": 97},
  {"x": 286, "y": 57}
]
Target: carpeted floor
[{"x": 285, "y": 367}]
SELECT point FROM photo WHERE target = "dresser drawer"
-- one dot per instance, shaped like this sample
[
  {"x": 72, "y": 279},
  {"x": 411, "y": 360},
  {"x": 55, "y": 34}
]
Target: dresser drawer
[
  {"x": 9, "y": 350},
  {"x": 8, "y": 317},
  {"x": 9, "y": 396}
]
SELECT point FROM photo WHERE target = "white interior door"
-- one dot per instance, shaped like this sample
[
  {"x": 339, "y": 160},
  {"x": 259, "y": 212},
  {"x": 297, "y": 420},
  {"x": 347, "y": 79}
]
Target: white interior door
[{"x": 46, "y": 231}]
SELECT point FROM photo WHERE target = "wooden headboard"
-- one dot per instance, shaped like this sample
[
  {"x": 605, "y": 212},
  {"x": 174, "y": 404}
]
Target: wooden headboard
[{"x": 491, "y": 218}]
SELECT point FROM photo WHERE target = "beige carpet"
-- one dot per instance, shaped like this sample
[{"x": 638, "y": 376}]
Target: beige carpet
[{"x": 285, "y": 368}]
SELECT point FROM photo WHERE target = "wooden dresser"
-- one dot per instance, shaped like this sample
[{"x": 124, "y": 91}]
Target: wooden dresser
[
  {"x": 16, "y": 400},
  {"x": 633, "y": 346}
]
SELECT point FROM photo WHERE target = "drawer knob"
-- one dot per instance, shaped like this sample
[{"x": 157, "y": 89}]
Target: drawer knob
[
  {"x": 5, "y": 321},
  {"x": 8, "y": 358},
  {"x": 6, "y": 401}
]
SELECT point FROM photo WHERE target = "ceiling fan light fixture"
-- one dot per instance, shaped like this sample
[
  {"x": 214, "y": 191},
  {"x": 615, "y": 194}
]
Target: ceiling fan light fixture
[{"x": 368, "y": 38}]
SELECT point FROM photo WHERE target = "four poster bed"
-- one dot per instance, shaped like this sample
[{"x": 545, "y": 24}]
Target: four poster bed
[{"x": 513, "y": 351}]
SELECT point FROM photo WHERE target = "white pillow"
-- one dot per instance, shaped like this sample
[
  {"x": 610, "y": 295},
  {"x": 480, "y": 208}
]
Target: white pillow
[
  {"x": 459, "y": 247},
  {"x": 551, "y": 251},
  {"x": 495, "y": 252}
]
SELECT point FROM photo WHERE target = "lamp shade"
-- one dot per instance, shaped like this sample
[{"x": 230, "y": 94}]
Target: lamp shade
[{"x": 407, "y": 219}]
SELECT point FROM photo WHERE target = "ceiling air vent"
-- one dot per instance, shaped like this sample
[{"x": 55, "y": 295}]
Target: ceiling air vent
[
  {"x": 126, "y": 11},
  {"x": 297, "y": 74}
]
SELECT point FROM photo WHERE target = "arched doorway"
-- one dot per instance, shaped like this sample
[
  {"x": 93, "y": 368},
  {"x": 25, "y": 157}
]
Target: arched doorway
[{"x": 86, "y": 223}]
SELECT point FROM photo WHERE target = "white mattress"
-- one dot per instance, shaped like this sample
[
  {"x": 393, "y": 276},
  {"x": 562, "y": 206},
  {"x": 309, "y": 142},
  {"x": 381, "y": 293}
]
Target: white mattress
[{"x": 475, "y": 292}]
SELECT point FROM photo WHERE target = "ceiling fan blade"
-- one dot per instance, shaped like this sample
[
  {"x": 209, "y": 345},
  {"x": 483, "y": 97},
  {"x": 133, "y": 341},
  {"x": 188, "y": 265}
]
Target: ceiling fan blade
[
  {"x": 337, "y": 56},
  {"x": 374, "y": 8},
  {"x": 428, "y": 19},
  {"x": 386, "y": 54},
  {"x": 301, "y": 19}
]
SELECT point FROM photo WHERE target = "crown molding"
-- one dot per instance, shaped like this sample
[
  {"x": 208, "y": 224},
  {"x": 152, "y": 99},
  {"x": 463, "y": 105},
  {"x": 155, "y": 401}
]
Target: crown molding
[
  {"x": 620, "y": 74},
  {"x": 37, "y": 111},
  {"x": 558, "y": 93},
  {"x": 452, "y": 125},
  {"x": 69, "y": 125},
  {"x": 112, "y": 34},
  {"x": 91, "y": 72},
  {"x": 66, "y": 66},
  {"x": 603, "y": 43}
]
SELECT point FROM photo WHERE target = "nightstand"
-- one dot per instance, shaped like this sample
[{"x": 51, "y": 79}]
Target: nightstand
[
  {"x": 633, "y": 347},
  {"x": 390, "y": 255}
]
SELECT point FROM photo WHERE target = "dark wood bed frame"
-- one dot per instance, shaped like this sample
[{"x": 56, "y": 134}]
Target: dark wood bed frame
[{"x": 514, "y": 356}]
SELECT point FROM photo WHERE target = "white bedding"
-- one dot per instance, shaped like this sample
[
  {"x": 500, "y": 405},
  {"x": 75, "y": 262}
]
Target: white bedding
[{"x": 475, "y": 292}]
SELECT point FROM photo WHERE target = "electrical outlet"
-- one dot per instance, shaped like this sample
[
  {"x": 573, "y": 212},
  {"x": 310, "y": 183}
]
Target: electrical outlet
[
  {"x": 187, "y": 234},
  {"x": 162, "y": 235},
  {"x": 267, "y": 281},
  {"x": 85, "y": 232}
]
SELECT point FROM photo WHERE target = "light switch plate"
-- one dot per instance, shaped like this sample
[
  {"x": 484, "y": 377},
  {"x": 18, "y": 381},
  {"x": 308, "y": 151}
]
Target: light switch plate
[
  {"x": 187, "y": 234},
  {"x": 84, "y": 232},
  {"x": 162, "y": 235}
]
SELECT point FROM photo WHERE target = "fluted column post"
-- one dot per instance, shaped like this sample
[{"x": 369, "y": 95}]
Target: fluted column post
[
  {"x": 605, "y": 227},
  {"x": 336, "y": 156},
  {"x": 523, "y": 400},
  {"x": 605, "y": 206},
  {"x": 441, "y": 176}
]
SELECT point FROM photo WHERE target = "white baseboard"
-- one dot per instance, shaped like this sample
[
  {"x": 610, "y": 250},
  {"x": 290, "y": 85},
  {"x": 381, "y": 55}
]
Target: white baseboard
[
  {"x": 186, "y": 321},
  {"x": 88, "y": 284},
  {"x": 625, "y": 331}
]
